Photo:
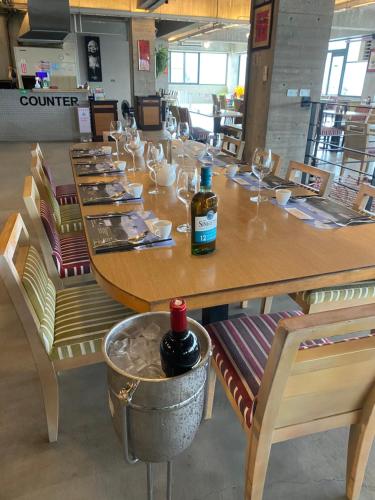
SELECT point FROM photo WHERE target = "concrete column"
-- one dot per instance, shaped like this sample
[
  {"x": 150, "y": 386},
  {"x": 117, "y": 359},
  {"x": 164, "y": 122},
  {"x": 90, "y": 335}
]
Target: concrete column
[
  {"x": 143, "y": 82},
  {"x": 295, "y": 60}
]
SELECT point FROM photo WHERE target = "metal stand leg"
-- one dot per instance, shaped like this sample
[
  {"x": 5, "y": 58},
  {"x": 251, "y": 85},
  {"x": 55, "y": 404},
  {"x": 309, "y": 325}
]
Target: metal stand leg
[
  {"x": 169, "y": 480},
  {"x": 150, "y": 486}
]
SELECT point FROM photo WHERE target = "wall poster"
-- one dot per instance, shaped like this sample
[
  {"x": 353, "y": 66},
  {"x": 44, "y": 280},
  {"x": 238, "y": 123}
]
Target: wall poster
[
  {"x": 94, "y": 63},
  {"x": 144, "y": 57}
]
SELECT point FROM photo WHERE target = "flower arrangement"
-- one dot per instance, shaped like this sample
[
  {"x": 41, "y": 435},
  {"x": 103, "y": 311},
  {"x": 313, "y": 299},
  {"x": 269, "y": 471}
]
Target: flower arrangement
[{"x": 239, "y": 91}]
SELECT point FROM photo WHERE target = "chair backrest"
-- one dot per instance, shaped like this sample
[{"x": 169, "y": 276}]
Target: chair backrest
[
  {"x": 365, "y": 192},
  {"x": 30, "y": 289},
  {"x": 185, "y": 116},
  {"x": 45, "y": 228},
  {"x": 215, "y": 100},
  {"x": 223, "y": 102},
  {"x": 325, "y": 178},
  {"x": 315, "y": 389},
  {"x": 276, "y": 164},
  {"x": 175, "y": 112},
  {"x": 233, "y": 147}
]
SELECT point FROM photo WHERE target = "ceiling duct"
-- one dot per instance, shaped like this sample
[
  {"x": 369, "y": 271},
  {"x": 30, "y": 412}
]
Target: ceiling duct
[
  {"x": 150, "y": 4},
  {"x": 49, "y": 23}
]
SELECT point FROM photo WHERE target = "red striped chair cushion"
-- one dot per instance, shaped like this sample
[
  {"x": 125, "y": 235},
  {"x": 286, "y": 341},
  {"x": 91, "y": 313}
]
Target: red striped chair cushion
[
  {"x": 66, "y": 194},
  {"x": 331, "y": 131},
  {"x": 240, "y": 350},
  {"x": 70, "y": 253}
]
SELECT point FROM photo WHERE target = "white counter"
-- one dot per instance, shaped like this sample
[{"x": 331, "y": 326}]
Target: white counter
[{"x": 40, "y": 114}]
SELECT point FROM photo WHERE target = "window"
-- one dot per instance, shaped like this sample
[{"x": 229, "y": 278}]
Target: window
[
  {"x": 344, "y": 72},
  {"x": 198, "y": 67},
  {"x": 242, "y": 71},
  {"x": 213, "y": 68}
]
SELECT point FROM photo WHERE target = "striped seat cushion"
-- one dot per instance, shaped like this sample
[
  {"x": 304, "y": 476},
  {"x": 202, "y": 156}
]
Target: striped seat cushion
[
  {"x": 331, "y": 131},
  {"x": 240, "y": 350},
  {"x": 69, "y": 252},
  {"x": 66, "y": 194},
  {"x": 353, "y": 291},
  {"x": 71, "y": 219},
  {"x": 84, "y": 315},
  {"x": 42, "y": 295}
]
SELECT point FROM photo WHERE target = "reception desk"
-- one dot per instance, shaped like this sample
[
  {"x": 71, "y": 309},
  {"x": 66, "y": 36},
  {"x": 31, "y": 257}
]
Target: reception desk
[{"x": 40, "y": 115}]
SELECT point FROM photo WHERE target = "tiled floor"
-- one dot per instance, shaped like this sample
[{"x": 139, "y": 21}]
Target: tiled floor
[{"x": 86, "y": 462}]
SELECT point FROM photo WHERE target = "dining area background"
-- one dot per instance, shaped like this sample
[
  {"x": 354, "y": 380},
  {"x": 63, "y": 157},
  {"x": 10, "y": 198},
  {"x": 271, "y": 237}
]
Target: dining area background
[{"x": 187, "y": 275}]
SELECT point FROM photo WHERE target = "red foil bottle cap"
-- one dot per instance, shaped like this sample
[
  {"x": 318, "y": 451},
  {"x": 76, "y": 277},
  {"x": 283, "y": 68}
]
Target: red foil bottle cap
[{"x": 178, "y": 315}]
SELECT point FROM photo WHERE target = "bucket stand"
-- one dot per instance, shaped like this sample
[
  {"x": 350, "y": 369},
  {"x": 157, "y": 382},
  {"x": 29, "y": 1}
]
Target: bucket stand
[{"x": 125, "y": 396}]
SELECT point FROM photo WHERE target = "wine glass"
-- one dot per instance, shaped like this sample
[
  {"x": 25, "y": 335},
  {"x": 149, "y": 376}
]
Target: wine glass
[
  {"x": 127, "y": 121},
  {"x": 116, "y": 131},
  {"x": 171, "y": 124},
  {"x": 152, "y": 165},
  {"x": 183, "y": 131},
  {"x": 132, "y": 143},
  {"x": 213, "y": 144},
  {"x": 187, "y": 186},
  {"x": 261, "y": 166}
]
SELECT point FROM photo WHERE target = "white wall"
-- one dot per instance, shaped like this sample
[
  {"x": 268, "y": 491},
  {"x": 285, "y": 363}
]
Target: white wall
[{"x": 114, "y": 50}]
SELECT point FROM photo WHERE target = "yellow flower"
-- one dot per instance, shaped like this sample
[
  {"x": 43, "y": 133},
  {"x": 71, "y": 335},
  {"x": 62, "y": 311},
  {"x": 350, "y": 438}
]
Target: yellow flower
[{"x": 239, "y": 91}]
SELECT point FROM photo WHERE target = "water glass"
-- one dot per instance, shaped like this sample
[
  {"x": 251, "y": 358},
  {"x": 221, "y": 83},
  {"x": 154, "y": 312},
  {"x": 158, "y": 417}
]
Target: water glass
[
  {"x": 152, "y": 164},
  {"x": 261, "y": 166},
  {"x": 116, "y": 131},
  {"x": 171, "y": 124},
  {"x": 187, "y": 186},
  {"x": 132, "y": 143},
  {"x": 183, "y": 131}
]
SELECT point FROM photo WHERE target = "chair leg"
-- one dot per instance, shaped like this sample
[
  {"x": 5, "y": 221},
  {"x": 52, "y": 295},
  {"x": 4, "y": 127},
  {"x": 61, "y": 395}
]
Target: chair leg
[
  {"x": 210, "y": 394},
  {"x": 258, "y": 455},
  {"x": 361, "y": 437},
  {"x": 266, "y": 305},
  {"x": 50, "y": 389}
]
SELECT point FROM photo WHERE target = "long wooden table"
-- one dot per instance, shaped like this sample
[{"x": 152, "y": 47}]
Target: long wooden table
[{"x": 258, "y": 254}]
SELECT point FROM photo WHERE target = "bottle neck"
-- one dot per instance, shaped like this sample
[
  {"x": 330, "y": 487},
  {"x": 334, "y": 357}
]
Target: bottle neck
[
  {"x": 206, "y": 176},
  {"x": 178, "y": 317}
]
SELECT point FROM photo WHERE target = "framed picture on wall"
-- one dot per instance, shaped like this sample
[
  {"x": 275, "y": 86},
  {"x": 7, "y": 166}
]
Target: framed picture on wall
[
  {"x": 262, "y": 25},
  {"x": 94, "y": 62},
  {"x": 371, "y": 62},
  {"x": 144, "y": 57}
]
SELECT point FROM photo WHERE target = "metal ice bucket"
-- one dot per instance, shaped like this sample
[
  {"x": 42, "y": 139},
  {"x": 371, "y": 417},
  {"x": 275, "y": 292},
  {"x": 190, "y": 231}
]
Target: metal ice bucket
[{"x": 156, "y": 419}]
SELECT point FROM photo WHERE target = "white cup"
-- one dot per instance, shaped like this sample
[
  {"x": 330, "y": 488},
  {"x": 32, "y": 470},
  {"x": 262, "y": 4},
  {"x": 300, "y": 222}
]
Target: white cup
[
  {"x": 162, "y": 228},
  {"x": 231, "y": 170},
  {"x": 135, "y": 189},
  {"x": 119, "y": 165},
  {"x": 107, "y": 150},
  {"x": 282, "y": 196}
]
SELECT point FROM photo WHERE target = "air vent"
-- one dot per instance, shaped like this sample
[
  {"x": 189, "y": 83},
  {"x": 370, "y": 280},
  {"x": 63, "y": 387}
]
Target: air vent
[
  {"x": 191, "y": 44},
  {"x": 366, "y": 47},
  {"x": 150, "y": 4}
]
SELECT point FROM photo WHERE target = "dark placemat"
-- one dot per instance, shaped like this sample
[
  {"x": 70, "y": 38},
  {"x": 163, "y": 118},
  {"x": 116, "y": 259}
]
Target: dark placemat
[
  {"x": 104, "y": 193},
  {"x": 86, "y": 153},
  {"x": 124, "y": 231},
  {"x": 101, "y": 168}
]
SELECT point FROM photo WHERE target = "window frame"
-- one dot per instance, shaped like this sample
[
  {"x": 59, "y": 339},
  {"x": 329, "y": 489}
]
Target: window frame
[
  {"x": 344, "y": 53},
  {"x": 199, "y": 67}
]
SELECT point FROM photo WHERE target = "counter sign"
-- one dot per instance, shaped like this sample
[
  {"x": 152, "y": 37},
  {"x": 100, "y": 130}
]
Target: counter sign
[{"x": 34, "y": 100}]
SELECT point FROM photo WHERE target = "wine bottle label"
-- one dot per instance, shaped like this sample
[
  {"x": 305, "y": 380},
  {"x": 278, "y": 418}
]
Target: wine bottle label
[{"x": 205, "y": 228}]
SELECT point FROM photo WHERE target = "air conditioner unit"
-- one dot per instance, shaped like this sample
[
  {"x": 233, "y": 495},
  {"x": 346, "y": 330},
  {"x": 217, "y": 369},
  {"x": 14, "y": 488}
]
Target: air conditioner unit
[
  {"x": 366, "y": 47},
  {"x": 150, "y": 4}
]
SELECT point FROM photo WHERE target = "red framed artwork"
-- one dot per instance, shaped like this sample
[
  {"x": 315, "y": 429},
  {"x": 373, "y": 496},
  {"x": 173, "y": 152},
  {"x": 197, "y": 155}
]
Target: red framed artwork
[
  {"x": 144, "y": 57},
  {"x": 262, "y": 26}
]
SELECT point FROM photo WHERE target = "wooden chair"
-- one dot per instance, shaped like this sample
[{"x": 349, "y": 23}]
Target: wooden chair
[
  {"x": 66, "y": 257},
  {"x": 233, "y": 147},
  {"x": 276, "y": 164},
  {"x": 325, "y": 178},
  {"x": 341, "y": 296},
  {"x": 64, "y": 328},
  {"x": 295, "y": 385},
  {"x": 359, "y": 145},
  {"x": 66, "y": 194}
]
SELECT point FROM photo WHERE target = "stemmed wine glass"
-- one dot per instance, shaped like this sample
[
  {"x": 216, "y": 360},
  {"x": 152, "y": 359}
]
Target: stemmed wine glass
[
  {"x": 171, "y": 124},
  {"x": 183, "y": 133},
  {"x": 152, "y": 164},
  {"x": 132, "y": 143},
  {"x": 261, "y": 166},
  {"x": 116, "y": 131},
  {"x": 187, "y": 186},
  {"x": 213, "y": 144}
]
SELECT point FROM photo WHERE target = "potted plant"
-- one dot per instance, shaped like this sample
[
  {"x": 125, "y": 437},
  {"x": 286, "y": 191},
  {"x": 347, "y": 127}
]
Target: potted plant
[{"x": 161, "y": 60}]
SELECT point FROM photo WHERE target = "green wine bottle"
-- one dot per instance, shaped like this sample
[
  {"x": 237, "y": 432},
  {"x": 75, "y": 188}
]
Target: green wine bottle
[{"x": 204, "y": 216}]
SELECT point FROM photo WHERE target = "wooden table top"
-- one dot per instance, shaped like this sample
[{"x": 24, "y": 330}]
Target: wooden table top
[{"x": 258, "y": 254}]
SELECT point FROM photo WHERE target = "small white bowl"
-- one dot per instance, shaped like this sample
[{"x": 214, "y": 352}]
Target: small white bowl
[{"x": 120, "y": 165}]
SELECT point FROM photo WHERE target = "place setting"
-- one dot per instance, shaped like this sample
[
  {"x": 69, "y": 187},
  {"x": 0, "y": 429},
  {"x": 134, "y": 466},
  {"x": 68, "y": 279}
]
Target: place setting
[
  {"x": 320, "y": 212},
  {"x": 100, "y": 168},
  {"x": 93, "y": 152},
  {"x": 97, "y": 193},
  {"x": 126, "y": 231}
]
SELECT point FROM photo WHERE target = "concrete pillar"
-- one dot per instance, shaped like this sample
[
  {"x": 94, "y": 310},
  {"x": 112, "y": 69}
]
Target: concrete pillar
[
  {"x": 295, "y": 60},
  {"x": 143, "y": 83}
]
